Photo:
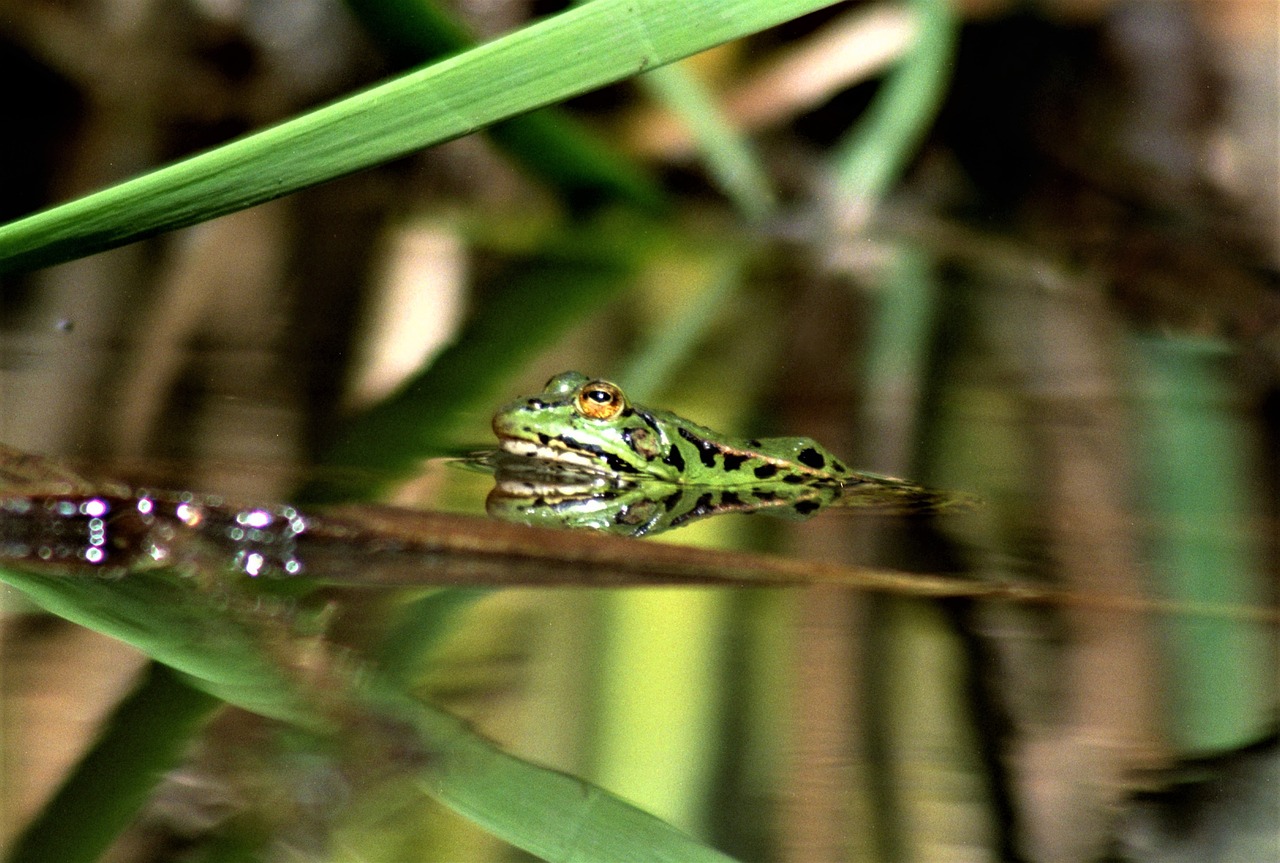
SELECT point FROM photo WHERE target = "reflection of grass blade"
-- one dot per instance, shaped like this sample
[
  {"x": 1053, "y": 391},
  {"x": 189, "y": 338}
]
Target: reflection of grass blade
[
  {"x": 549, "y": 814},
  {"x": 547, "y": 143},
  {"x": 214, "y": 656},
  {"x": 420, "y": 627},
  {"x": 168, "y": 619},
  {"x": 1219, "y": 675},
  {"x": 660, "y": 698},
  {"x": 145, "y": 737},
  {"x": 533, "y": 67}
]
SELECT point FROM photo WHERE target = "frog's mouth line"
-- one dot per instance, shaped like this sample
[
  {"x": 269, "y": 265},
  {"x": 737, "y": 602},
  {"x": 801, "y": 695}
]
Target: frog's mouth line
[
  {"x": 568, "y": 451},
  {"x": 533, "y": 449}
]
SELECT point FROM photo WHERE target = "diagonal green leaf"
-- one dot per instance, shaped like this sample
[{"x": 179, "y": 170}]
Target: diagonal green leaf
[
  {"x": 559, "y": 57},
  {"x": 548, "y": 143}
]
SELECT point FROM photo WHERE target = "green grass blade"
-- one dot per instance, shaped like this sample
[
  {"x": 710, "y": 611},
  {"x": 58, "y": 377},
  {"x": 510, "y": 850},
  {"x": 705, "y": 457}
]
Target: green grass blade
[
  {"x": 536, "y": 66},
  {"x": 548, "y": 143},
  {"x": 145, "y": 737},
  {"x": 874, "y": 154},
  {"x": 729, "y": 156}
]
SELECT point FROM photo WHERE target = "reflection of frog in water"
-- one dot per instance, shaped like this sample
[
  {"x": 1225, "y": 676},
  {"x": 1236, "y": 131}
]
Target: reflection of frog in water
[{"x": 597, "y": 461}]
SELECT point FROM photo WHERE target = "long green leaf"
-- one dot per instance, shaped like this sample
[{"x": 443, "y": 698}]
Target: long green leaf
[
  {"x": 562, "y": 56},
  {"x": 547, "y": 143}
]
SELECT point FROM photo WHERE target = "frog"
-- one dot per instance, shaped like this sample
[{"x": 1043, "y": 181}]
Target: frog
[
  {"x": 580, "y": 454},
  {"x": 589, "y": 425}
]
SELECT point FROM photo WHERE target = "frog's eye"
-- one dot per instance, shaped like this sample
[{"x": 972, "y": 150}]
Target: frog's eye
[{"x": 600, "y": 400}]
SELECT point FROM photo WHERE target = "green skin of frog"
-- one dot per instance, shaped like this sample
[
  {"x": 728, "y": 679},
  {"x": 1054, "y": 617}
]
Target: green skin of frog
[{"x": 589, "y": 425}]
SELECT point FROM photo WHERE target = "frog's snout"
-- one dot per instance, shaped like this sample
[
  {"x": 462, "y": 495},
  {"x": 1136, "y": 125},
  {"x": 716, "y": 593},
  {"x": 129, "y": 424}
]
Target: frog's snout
[
  {"x": 502, "y": 424},
  {"x": 506, "y": 422}
]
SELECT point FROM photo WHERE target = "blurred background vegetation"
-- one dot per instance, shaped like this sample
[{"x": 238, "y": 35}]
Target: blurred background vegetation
[{"x": 1024, "y": 249}]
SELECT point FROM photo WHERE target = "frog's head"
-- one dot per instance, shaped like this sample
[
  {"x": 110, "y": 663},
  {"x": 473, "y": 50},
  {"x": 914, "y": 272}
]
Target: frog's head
[{"x": 587, "y": 424}]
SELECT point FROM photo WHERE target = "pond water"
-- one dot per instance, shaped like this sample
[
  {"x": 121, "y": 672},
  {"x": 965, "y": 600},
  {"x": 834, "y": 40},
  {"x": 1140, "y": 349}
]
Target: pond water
[{"x": 961, "y": 722}]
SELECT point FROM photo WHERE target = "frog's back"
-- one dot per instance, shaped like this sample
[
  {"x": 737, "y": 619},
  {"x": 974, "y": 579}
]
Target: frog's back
[
  {"x": 805, "y": 452},
  {"x": 713, "y": 460}
]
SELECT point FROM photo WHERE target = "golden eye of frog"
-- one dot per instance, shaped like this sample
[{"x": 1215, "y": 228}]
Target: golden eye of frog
[{"x": 590, "y": 425}]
